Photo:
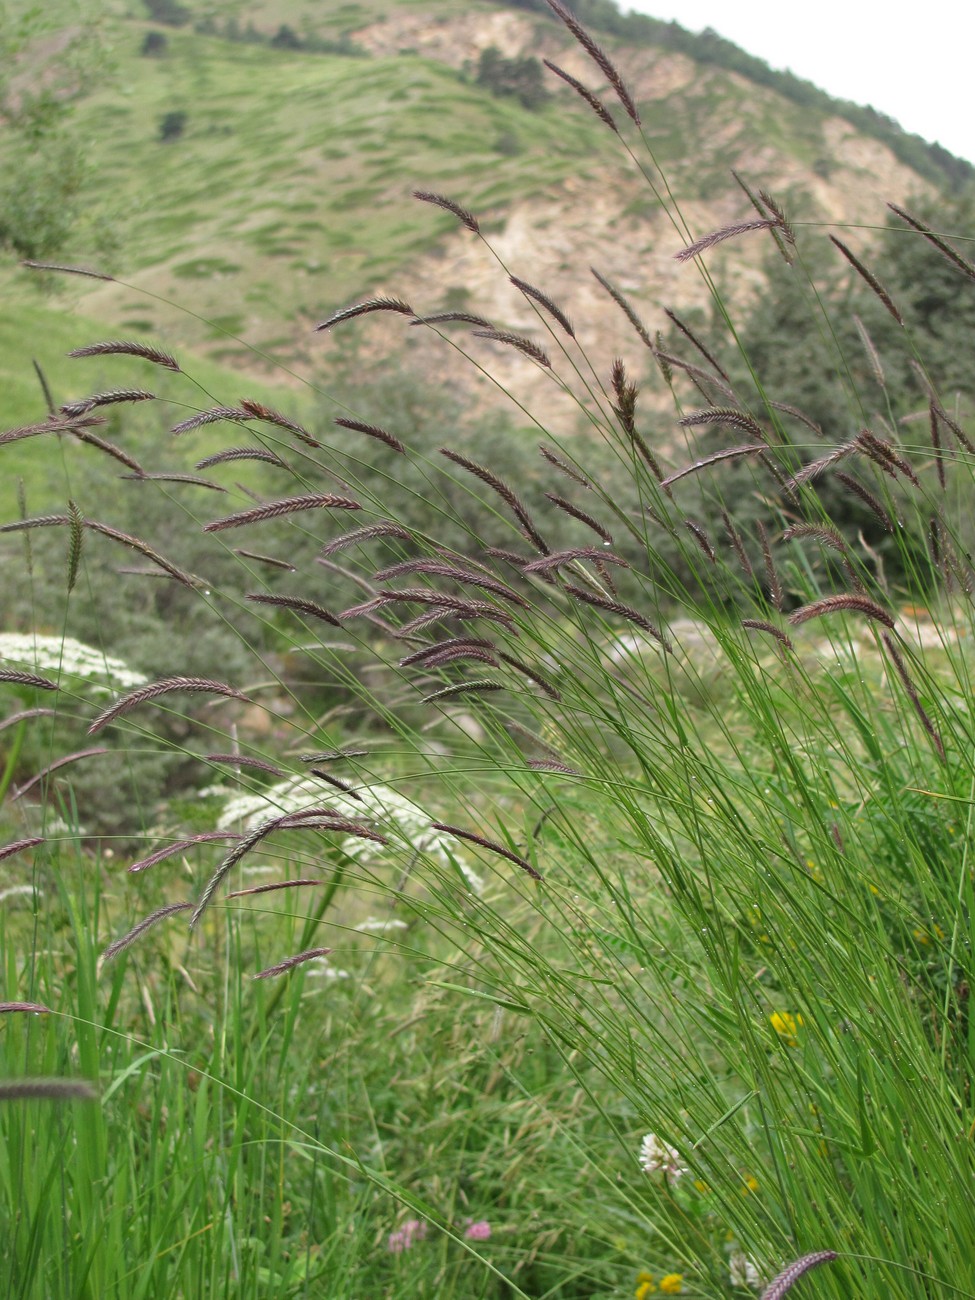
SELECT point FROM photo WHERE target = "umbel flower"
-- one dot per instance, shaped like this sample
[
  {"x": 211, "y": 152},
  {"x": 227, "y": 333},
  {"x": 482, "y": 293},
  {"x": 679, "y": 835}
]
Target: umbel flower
[{"x": 656, "y": 1156}]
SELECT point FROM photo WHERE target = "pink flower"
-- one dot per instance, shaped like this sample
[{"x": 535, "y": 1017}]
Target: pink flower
[
  {"x": 479, "y": 1231},
  {"x": 403, "y": 1238}
]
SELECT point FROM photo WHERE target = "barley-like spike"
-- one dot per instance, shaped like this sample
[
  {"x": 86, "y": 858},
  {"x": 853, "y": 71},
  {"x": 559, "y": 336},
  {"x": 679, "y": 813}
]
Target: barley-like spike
[
  {"x": 272, "y": 560},
  {"x": 545, "y": 301},
  {"x": 111, "y": 449},
  {"x": 868, "y": 499},
  {"x": 724, "y": 415},
  {"x": 425, "y": 596},
  {"x": 460, "y": 317},
  {"x": 213, "y": 416},
  {"x": 287, "y": 506},
  {"x": 624, "y": 611},
  {"x": 524, "y": 345},
  {"x": 598, "y": 57},
  {"x": 771, "y": 574},
  {"x": 39, "y": 521},
  {"x": 873, "y": 356},
  {"x": 193, "y": 480},
  {"x": 701, "y": 378},
  {"x": 444, "y": 657},
  {"x": 270, "y": 889},
  {"x": 125, "y": 539},
  {"x": 884, "y": 455},
  {"x": 441, "y": 201},
  {"x": 787, "y": 1279},
  {"x": 126, "y": 941},
  {"x": 35, "y": 1008},
  {"x": 243, "y": 760},
  {"x": 568, "y": 508},
  {"x": 363, "y": 308},
  {"x": 115, "y": 347},
  {"x": 344, "y": 786},
  {"x": 76, "y": 538},
  {"x": 491, "y": 845},
  {"x": 503, "y": 491},
  {"x": 462, "y": 615},
  {"x": 550, "y": 765},
  {"x": 816, "y": 467},
  {"x": 442, "y": 647},
  {"x": 333, "y": 755},
  {"x": 719, "y": 236},
  {"x": 600, "y": 109},
  {"x": 31, "y": 265},
  {"x": 48, "y": 1089},
  {"x": 559, "y": 558},
  {"x": 837, "y": 604},
  {"x": 385, "y": 528},
  {"x": 730, "y": 453},
  {"x": 763, "y": 210},
  {"x": 308, "y": 607},
  {"x": 178, "y": 846},
  {"x": 439, "y": 569},
  {"x": 739, "y": 546},
  {"x": 942, "y": 414},
  {"x": 565, "y": 468},
  {"x": 942, "y": 245},
  {"x": 760, "y": 625},
  {"x": 936, "y": 445},
  {"x": 113, "y": 398},
  {"x": 870, "y": 279},
  {"x": 828, "y": 536},
  {"x": 912, "y": 695},
  {"x": 478, "y": 687},
  {"x": 797, "y": 415},
  {"x": 532, "y": 674},
  {"x": 27, "y": 679},
  {"x": 242, "y": 453},
  {"x": 692, "y": 337},
  {"x": 258, "y": 411},
  {"x": 702, "y": 539},
  {"x": 290, "y": 963},
  {"x": 373, "y": 431},
  {"x": 164, "y": 686},
  {"x": 775, "y": 208},
  {"x": 18, "y": 846},
  {"x": 622, "y": 302}
]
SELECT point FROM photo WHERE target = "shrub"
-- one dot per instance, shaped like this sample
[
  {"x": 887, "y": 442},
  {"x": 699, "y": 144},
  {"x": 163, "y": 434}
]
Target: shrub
[
  {"x": 172, "y": 124},
  {"x": 154, "y": 45}
]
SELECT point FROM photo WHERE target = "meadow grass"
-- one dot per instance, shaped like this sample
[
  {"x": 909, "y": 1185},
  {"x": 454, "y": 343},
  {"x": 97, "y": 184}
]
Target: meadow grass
[{"x": 639, "y": 840}]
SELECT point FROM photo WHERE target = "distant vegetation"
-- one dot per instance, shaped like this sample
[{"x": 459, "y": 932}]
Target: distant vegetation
[{"x": 931, "y": 161}]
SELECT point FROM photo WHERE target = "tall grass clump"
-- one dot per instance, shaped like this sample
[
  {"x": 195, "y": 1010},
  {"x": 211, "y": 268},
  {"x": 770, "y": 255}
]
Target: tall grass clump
[{"x": 651, "y": 762}]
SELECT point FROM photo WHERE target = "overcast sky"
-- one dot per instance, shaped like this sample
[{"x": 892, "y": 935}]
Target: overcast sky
[{"x": 912, "y": 62}]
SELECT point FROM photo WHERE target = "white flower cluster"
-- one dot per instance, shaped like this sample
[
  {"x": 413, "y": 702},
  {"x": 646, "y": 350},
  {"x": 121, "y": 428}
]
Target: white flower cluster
[
  {"x": 743, "y": 1271},
  {"x": 391, "y": 812},
  {"x": 657, "y": 1157},
  {"x": 65, "y": 655}
]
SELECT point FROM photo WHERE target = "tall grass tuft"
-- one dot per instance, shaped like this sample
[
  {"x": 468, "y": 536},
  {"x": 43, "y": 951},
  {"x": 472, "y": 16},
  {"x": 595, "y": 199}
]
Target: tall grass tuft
[{"x": 648, "y": 869}]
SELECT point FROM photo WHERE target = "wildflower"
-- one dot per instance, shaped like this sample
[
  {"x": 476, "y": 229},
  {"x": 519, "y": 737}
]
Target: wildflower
[
  {"x": 413, "y": 1230},
  {"x": 479, "y": 1231},
  {"x": 656, "y": 1157},
  {"x": 671, "y": 1283},
  {"x": 66, "y": 655},
  {"x": 645, "y": 1286},
  {"x": 748, "y": 1184},
  {"x": 786, "y": 1026}
]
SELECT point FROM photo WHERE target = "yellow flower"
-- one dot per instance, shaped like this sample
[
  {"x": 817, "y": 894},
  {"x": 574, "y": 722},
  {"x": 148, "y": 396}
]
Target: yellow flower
[
  {"x": 786, "y": 1025},
  {"x": 749, "y": 1184},
  {"x": 643, "y": 1277},
  {"x": 670, "y": 1283},
  {"x": 645, "y": 1288},
  {"x": 701, "y": 1185}
]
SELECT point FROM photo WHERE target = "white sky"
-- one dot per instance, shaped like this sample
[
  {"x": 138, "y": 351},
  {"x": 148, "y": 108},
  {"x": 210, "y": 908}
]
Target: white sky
[{"x": 912, "y": 62}]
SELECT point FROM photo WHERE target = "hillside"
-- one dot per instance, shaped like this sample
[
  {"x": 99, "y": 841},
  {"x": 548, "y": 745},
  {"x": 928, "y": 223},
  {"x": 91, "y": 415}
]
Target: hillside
[{"x": 286, "y": 191}]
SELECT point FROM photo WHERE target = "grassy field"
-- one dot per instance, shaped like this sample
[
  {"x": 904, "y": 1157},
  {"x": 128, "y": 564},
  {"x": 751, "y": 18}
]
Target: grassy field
[{"x": 448, "y": 867}]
